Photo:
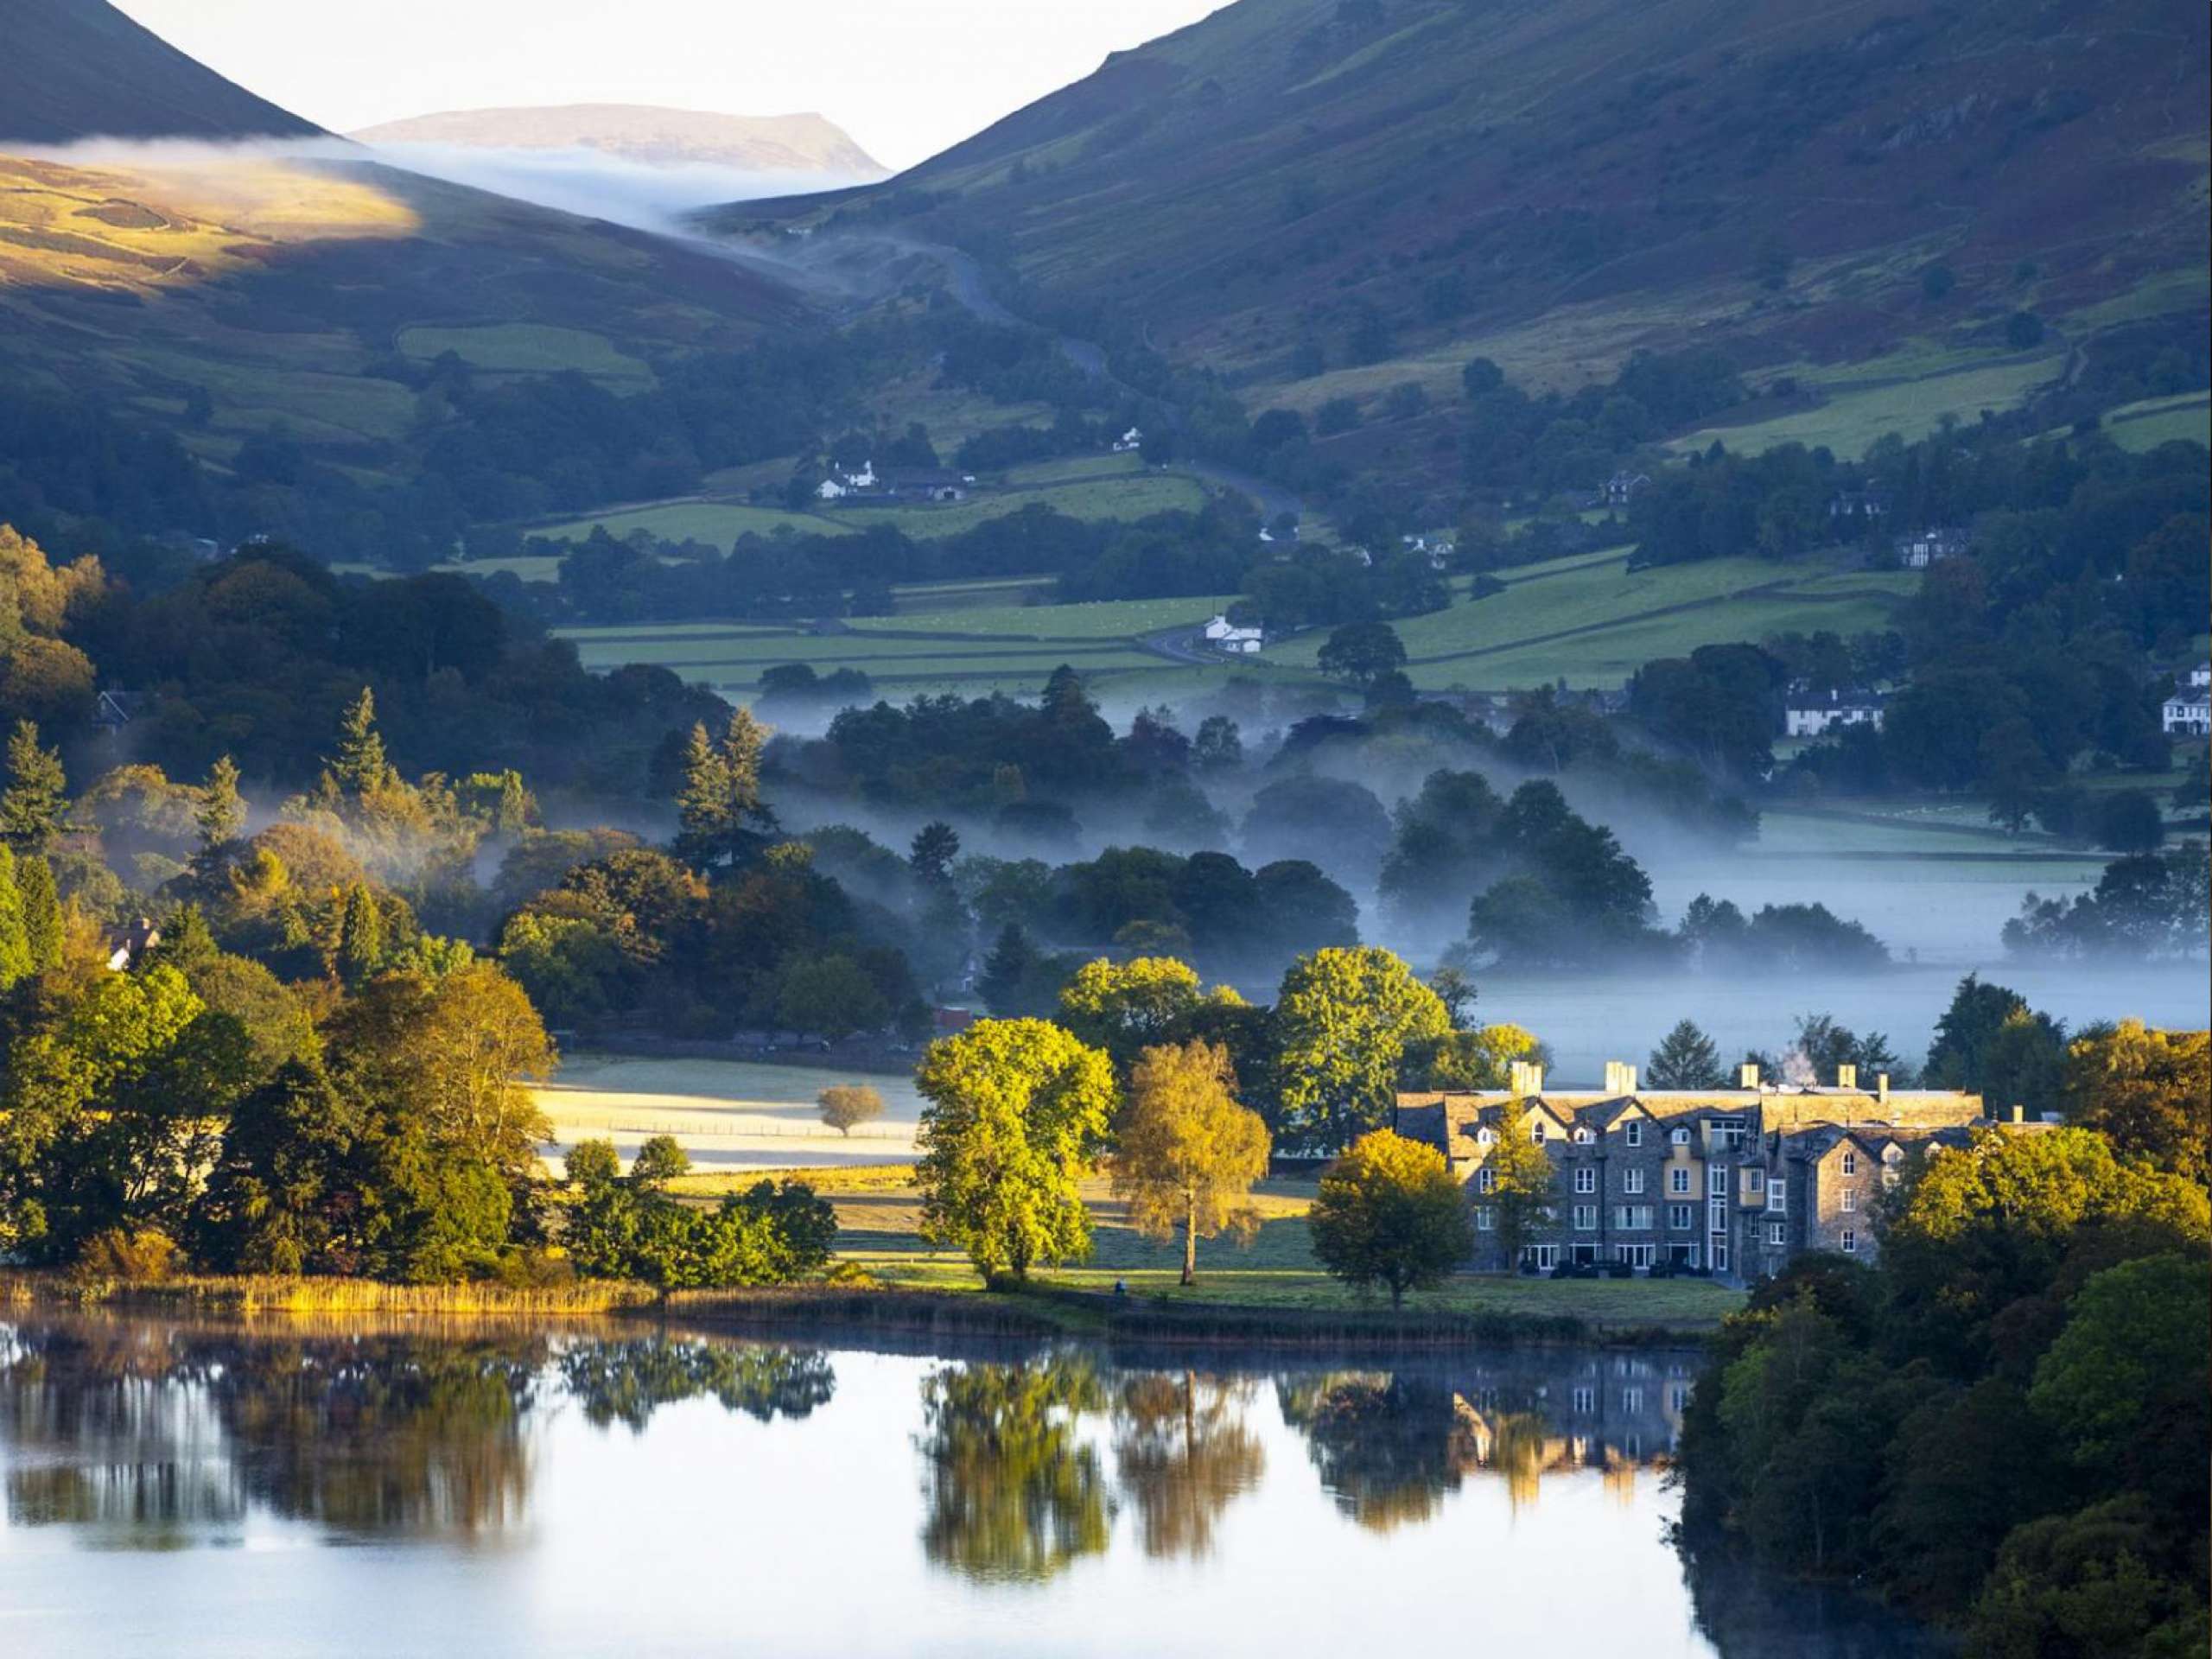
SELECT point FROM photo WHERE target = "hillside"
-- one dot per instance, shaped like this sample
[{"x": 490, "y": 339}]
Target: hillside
[
  {"x": 76, "y": 68},
  {"x": 1323, "y": 199},
  {"x": 660, "y": 137}
]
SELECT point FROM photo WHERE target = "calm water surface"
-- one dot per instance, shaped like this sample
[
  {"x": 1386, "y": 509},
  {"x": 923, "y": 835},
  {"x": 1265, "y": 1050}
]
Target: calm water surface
[{"x": 311, "y": 1488}]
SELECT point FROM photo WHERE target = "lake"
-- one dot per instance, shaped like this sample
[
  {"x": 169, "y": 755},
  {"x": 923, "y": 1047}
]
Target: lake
[{"x": 387, "y": 1489}]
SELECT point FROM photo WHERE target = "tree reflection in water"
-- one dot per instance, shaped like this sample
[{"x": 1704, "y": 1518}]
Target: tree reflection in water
[
  {"x": 161, "y": 1435},
  {"x": 1182, "y": 1453},
  {"x": 627, "y": 1382},
  {"x": 1388, "y": 1447},
  {"x": 1012, "y": 1488}
]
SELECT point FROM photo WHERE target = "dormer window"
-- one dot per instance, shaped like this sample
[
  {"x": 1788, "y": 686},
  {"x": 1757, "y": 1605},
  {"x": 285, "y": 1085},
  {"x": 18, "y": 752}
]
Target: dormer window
[
  {"x": 1632, "y": 1131},
  {"x": 1850, "y": 1163},
  {"x": 1583, "y": 1137},
  {"x": 1681, "y": 1137},
  {"x": 1536, "y": 1133}
]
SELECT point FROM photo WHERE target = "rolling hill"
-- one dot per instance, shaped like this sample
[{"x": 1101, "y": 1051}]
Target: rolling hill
[
  {"x": 79, "y": 68},
  {"x": 1323, "y": 198},
  {"x": 290, "y": 286},
  {"x": 658, "y": 137}
]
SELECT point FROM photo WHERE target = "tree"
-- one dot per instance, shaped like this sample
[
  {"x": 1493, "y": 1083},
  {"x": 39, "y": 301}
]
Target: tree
[
  {"x": 846, "y": 1106},
  {"x": 2015, "y": 771},
  {"x": 2129, "y": 821},
  {"x": 220, "y": 814},
  {"x": 1346, "y": 1018},
  {"x": 361, "y": 945},
  {"x": 1516, "y": 1184},
  {"x": 661, "y": 1159},
  {"x": 723, "y": 820},
  {"x": 1018, "y": 1108},
  {"x": 43, "y": 924},
  {"x": 2149, "y": 1091},
  {"x": 35, "y": 806},
  {"x": 1455, "y": 989},
  {"x": 831, "y": 995},
  {"x": 1482, "y": 1058},
  {"x": 1389, "y": 1212},
  {"x": 1362, "y": 651},
  {"x": 1188, "y": 1153},
  {"x": 1123, "y": 1007},
  {"x": 1686, "y": 1058},
  {"x": 935, "y": 846}
]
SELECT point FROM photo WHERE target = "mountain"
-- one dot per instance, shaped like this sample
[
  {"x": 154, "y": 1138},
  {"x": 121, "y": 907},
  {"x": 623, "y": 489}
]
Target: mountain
[
  {"x": 79, "y": 68},
  {"x": 655, "y": 137},
  {"x": 1324, "y": 197}
]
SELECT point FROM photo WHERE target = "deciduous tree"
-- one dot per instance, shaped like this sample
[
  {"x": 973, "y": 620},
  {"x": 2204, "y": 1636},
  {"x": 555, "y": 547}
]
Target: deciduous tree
[
  {"x": 1346, "y": 1018},
  {"x": 1187, "y": 1153},
  {"x": 1390, "y": 1213}
]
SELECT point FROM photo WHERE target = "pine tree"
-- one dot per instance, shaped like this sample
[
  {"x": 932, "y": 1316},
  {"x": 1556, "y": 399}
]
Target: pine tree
[
  {"x": 723, "y": 819},
  {"x": 361, "y": 935},
  {"x": 34, "y": 807},
  {"x": 934, "y": 848},
  {"x": 1686, "y": 1058},
  {"x": 1008, "y": 971},
  {"x": 221, "y": 812},
  {"x": 361, "y": 768},
  {"x": 15, "y": 941},
  {"x": 41, "y": 913}
]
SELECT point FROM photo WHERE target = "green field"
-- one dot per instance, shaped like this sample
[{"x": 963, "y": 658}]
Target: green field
[
  {"x": 977, "y": 648},
  {"x": 1906, "y": 393},
  {"x": 879, "y": 1231},
  {"x": 530, "y": 348},
  {"x": 2139, "y": 427},
  {"x": 1590, "y": 620},
  {"x": 1080, "y": 492}
]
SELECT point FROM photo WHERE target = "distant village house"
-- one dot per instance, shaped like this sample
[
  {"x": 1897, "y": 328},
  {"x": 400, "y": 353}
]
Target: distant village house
[
  {"x": 1223, "y": 635},
  {"x": 1815, "y": 715},
  {"x": 1926, "y": 547},
  {"x": 2188, "y": 713}
]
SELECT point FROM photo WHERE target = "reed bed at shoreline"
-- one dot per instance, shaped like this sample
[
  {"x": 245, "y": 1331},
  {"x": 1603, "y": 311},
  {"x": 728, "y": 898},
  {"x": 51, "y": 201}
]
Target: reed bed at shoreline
[{"x": 271, "y": 1293}]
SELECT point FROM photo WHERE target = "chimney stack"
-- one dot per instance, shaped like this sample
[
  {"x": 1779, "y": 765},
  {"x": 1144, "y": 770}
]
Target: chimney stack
[
  {"x": 1882, "y": 1087},
  {"x": 1627, "y": 1079},
  {"x": 1617, "y": 1075},
  {"x": 1846, "y": 1076},
  {"x": 1748, "y": 1078},
  {"x": 1517, "y": 1079},
  {"x": 2019, "y": 1114}
]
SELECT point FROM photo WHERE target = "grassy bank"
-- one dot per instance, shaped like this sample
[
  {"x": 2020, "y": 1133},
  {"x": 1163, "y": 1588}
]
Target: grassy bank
[{"x": 270, "y": 1294}]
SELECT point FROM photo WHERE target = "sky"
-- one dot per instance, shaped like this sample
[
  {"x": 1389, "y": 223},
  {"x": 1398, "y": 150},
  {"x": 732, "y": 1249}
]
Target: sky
[{"x": 906, "y": 78}]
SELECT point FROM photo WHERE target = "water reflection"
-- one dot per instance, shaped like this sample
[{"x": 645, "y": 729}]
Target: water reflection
[
  {"x": 1012, "y": 1487},
  {"x": 1107, "y": 1491},
  {"x": 627, "y": 1382}
]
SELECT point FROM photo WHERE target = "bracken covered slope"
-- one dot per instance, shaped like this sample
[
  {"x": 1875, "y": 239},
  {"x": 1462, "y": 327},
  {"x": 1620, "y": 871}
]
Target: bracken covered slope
[{"x": 1281, "y": 173}]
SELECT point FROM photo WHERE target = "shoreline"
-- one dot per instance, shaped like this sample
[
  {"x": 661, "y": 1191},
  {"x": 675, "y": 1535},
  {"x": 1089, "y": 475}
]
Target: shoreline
[{"x": 1037, "y": 1312}]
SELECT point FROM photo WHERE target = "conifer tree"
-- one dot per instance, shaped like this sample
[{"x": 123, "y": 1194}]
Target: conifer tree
[
  {"x": 35, "y": 806},
  {"x": 361, "y": 768},
  {"x": 723, "y": 820},
  {"x": 361, "y": 935},
  {"x": 1686, "y": 1058},
  {"x": 15, "y": 941},
  {"x": 41, "y": 913},
  {"x": 221, "y": 812}
]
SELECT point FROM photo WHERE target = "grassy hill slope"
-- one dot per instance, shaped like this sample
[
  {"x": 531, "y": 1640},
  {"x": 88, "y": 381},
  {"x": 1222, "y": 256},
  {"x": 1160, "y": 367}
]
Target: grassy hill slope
[
  {"x": 1396, "y": 183},
  {"x": 76, "y": 68}
]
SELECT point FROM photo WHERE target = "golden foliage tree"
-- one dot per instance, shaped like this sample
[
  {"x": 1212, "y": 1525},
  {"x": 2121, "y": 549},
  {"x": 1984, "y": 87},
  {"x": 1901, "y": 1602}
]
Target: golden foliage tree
[{"x": 1189, "y": 1153}]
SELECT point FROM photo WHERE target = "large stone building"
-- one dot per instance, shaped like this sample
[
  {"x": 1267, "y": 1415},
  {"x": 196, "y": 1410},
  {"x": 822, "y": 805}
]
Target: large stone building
[{"x": 1730, "y": 1181}]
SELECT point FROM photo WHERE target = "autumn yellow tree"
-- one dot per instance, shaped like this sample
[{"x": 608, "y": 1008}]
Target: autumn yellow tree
[{"x": 1189, "y": 1153}]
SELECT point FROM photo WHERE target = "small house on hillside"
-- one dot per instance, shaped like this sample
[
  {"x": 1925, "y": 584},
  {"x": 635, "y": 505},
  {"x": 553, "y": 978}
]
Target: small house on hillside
[
  {"x": 1810, "y": 713},
  {"x": 1223, "y": 635},
  {"x": 1129, "y": 442},
  {"x": 1858, "y": 504},
  {"x": 126, "y": 945},
  {"x": 1624, "y": 488},
  {"x": 2188, "y": 713},
  {"x": 1926, "y": 547}
]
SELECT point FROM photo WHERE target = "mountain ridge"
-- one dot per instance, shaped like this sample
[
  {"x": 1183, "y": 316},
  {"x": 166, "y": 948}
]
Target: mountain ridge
[{"x": 79, "y": 69}]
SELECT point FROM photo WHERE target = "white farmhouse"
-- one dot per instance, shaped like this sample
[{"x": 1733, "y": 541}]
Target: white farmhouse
[
  {"x": 1810, "y": 713},
  {"x": 1223, "y": 635},
  {"x": 2188, "y": 713},
  {"x": 1129, "y": 442},
  {"x": 1926, "y": 547}
]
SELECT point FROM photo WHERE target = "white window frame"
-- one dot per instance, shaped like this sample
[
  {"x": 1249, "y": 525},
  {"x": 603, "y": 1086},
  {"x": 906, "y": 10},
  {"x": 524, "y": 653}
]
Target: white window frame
[
  {"x": 1754, "y": 1180},
  {"x": 1850, "y": 1198},
  {"x": 1543, "y": 1257},
  {"x": 1678, "y": 1181},
  {"x": 1777, "y": 1199},
  {"x": 1583, "y": 1137},
  {"x": 1585, "y": 1400},
  {"x": 1778, "y": 1235},
  {"x": 1632, "y": 1131},
  {"x": 1585, "y": 1218},
  {"x": 1850, "y": 1162},
  {"x": 1485, "y": 1220},
  {"x": 1718, "y": 1251},
  {"x": 1632, "y": 1180},
  {"x": 1850, "y": 1241},
  {"x": 1485, "y": 1137},
  {"x": 1537, "y": 1133},
  {"x": 1716, "y": 1215},
  {"x": 1585, "y": 1178},
  {"x": 1680, "y": 1137},
  {"x": 1632, "y": 1218},
  {"x": 1637, "y": 1256},
  {"x": 1681, "y": 1218},
  {"x": 1485, "y": 1181}
]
